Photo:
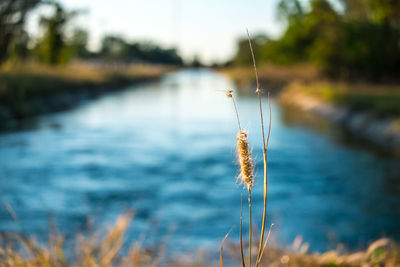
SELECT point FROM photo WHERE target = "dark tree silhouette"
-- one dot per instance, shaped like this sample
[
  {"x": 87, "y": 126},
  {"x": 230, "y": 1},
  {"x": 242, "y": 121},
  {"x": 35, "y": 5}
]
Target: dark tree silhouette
[
  {"x": 12, "y": 18},
  {"x": 53, "y": 42}
]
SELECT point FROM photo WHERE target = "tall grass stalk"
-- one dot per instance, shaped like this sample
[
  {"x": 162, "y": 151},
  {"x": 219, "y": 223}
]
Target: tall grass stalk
[
  {"x": 247, "y": 168},
  {"x": 250, "y": 227},
  {"x": 246, "y": 172},
  {"x": 265, "y": 146},
  {"x": 246, "y": 175}
]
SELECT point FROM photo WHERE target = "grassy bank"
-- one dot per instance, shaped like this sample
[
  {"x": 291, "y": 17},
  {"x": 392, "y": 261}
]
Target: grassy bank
[
  {"x": 31, "y": 89},
  {"x": 369, "y": 112},
  {"x": 381, "y": 99}
]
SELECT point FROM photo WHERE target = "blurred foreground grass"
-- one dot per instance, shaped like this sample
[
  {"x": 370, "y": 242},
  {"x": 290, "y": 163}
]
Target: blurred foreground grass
[
  {"x": 31, "y": 89},
  {"x": 106, "y": 250}
]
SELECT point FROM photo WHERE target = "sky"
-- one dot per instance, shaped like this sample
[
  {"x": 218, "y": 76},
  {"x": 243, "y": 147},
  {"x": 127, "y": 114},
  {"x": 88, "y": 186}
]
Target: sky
[{"x": 205, "y": 28}]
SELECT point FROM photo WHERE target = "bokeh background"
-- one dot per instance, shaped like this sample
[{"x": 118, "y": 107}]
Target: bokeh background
[{"x": 109, "y": 106}]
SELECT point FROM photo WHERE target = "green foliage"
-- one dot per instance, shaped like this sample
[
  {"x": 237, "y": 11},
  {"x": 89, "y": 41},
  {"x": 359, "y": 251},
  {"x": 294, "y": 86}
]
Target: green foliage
[
  {"x": 58, "y": 44},
  {"x": 12, "y": 18},
  {"x": 115, "y": 48},
  {"x": 384, "y": 101},
  {"x": 52, "y": 48},
  {"x": 387, "y": 104},
  {"x": 361, "y": 41},
  {"x": 19, "y": 49},
  {"x": 78, "y": 43},
  {"x": 243, "y": 57}
]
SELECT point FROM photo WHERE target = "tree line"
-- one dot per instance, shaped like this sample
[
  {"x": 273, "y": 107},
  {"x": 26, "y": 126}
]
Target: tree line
[
  {"x": 56, "y": 45},
  {"x": 359, "y": 39}
]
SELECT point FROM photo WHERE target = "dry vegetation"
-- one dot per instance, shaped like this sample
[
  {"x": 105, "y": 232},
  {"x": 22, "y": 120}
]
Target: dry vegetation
[
  {"x": 383, "y": 252},
  {"x": 104, "y": 250},
  {"x": 84, "y": 72},
  {"x": 31, "y": 89},
  {"x": 246, "y": 175},
  {"x": 382, "y": 99},
  {"x": 93, "y": 250}
]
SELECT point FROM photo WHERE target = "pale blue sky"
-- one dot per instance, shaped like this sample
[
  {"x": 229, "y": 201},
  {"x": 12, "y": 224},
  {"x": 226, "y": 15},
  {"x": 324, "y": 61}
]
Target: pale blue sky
[{"x": 203, "y": 27}]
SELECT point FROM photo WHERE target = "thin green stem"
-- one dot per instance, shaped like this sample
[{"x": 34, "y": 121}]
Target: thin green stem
[
  {"x": 264, "y": 210},
  {"x": 265, "y": 146},
  {"x": 260, "y": 245},
  {"x": 257, "y": 91},
  {"x": 250, "y": 227},
  {"x": 265, "y": 244}
]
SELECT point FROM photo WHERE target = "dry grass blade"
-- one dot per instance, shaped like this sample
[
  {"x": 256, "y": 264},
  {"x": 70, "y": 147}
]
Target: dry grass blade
[
  {"x": 221, "y": 262},
  {"x": 265, "y": 244},
  {"x": 112, "y": 243},
  {"x": 254, "y": 60},
  {"x": 10, "y": 211}
]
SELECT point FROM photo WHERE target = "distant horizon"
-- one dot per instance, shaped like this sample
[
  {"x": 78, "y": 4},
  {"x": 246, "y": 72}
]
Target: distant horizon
[{"x": 204, "y": 29}]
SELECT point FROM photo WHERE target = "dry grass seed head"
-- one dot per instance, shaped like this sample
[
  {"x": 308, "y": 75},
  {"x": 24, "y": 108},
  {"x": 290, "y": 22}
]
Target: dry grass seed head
[
  {"x": 245, "y": 161},
  {"x": 229, "y": 93}
]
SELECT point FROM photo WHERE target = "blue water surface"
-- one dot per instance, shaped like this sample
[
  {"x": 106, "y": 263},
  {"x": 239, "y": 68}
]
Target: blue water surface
[{"x": 167, "y": 150}]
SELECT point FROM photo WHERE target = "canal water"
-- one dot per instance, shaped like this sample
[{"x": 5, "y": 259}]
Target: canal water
[{"x": 166, "y": 149}]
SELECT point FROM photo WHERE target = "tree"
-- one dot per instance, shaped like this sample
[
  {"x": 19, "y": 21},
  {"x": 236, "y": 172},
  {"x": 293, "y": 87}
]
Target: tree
[
  {"x": 116, "y": 48},
  {"x": 78, "y": 43},
  {"x": 243, "y": 55},
  {"x": 113, "y": 48},
  {"x": 12, "y": 18},
  {"x": 52, "y": 48},
  {"x": 18, "y": 49},
  {"x": 359, "y": 42},
  {"x": 289, "y": 10}
]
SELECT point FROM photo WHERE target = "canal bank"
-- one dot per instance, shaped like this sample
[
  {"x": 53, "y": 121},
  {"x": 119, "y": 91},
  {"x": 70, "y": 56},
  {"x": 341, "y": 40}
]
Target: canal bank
[
  {"x": 370, "y": 112},
  {"x": 31, "y": 90},
  {"x": 374, "y": 125}
]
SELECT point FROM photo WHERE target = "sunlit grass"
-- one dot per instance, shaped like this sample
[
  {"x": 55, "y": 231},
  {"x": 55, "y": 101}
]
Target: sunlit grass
[
  {"x": 32, "y": 89},
  {"x": 83, "y": 71},
  {"x": 384, "y": 100},
  {"x": 95, "y": 249},
  {"x": 111, "y": 249}
]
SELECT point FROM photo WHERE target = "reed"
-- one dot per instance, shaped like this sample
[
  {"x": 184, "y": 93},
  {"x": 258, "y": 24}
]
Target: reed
[
  {"x": 246, "y": 174},
  {"x": 245, "y": 161},
  {"x": 247, "y": 168}
]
